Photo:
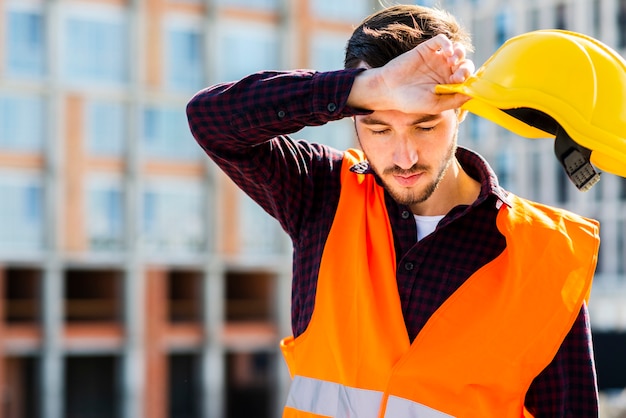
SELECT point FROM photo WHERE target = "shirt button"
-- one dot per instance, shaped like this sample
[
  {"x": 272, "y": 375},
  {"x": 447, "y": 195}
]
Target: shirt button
[
  {"x": 408, "y": 266},
  {"x": 281, "y": 114},
  {"x": 405, "y": 214},
  {"x": 331, "y": 107}
]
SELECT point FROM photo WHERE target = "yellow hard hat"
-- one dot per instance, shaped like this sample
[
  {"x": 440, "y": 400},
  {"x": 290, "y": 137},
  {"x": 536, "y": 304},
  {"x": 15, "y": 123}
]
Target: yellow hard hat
[{"x": 556, "y": 83}]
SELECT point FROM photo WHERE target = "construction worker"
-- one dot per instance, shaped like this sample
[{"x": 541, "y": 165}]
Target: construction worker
[{"x": 421, "y": 288}]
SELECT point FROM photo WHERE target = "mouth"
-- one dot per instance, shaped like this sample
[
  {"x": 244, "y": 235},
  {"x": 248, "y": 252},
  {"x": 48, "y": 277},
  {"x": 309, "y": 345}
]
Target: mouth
[{"x": 407, "y": 180}]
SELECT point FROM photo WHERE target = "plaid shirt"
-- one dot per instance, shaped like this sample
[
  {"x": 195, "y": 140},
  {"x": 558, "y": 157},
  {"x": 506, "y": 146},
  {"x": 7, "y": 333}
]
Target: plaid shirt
[{"x": 244, "y": 126}]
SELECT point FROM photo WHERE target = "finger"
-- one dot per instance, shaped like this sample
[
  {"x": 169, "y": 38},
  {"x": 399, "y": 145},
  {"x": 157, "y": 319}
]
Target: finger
[
  {"x": 463, "y": 70},
  {"x": 458, "y": 54},
  {"x": 440, "y": 44},
  {"x": 450, "y": 101}
]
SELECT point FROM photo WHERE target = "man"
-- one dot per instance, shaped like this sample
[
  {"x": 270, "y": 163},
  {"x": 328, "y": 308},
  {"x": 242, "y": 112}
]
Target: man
[{"x": 420, "y": 287}]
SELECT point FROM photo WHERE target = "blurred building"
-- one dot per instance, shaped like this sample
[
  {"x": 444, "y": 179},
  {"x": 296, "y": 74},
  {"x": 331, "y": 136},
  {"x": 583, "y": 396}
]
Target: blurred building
[{"x": 135, "y": 279}]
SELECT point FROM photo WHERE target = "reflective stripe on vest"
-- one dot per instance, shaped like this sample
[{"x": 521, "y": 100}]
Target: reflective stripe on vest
[{"x": 335, "y": 400}]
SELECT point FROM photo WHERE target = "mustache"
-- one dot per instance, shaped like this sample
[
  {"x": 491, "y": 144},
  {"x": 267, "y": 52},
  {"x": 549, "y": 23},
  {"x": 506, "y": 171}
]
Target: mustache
[{"x": 398, "y": 171}]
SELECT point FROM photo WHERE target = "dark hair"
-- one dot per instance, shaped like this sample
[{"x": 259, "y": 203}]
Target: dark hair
[{"x": 394, "y": 30}]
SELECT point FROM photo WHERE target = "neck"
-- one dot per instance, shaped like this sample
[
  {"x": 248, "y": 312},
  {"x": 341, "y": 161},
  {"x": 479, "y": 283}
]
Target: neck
[{"x": 456, "y": 188}]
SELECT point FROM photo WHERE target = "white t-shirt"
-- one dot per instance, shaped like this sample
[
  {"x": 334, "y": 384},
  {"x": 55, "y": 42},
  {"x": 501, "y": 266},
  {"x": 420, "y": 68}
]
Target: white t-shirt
[{"x": 426, "y": 225}]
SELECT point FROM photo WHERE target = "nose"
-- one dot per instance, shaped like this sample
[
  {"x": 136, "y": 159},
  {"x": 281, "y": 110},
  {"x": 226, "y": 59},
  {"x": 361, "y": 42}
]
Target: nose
[{"x": 404, "y": 155}]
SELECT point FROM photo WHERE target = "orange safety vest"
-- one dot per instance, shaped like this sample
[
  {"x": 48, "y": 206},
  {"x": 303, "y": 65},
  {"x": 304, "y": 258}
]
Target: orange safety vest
[{"x": 479, "y": 352}]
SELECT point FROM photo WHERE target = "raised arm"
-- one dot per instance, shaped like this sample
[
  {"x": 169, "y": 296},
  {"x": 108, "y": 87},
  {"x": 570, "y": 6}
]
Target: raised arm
[
  {"x": 243, "y": 127},
  {"x": 407, "y": 83}
]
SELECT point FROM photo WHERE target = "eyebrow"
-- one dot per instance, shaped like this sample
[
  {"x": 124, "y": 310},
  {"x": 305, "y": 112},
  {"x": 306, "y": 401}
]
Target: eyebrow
[{"x": 370, "y": 120}]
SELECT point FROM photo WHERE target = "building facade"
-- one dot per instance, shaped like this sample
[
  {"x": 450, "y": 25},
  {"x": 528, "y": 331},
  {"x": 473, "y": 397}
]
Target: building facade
[{"x": 135, "y": 279}]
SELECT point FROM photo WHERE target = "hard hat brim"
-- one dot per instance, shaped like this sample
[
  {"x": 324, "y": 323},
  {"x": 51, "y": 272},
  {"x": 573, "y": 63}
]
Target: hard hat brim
[{"x": 492, "y": 113}]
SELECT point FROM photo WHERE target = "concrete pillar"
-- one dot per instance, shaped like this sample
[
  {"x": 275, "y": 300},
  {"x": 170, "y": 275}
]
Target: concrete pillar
[
  {"x": 213, "y": 368},
  {"x": 52, "y": 384},
  {"x": 156, "y": 390}
]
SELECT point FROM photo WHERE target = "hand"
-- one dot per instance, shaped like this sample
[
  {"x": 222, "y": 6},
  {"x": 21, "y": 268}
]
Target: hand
[{"x": 407, "y": 83}]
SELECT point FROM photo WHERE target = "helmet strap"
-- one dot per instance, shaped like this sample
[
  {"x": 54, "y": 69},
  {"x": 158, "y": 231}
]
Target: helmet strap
[
  {"x": 574, "y": 158},
  {"x": 576, "y": 161}
]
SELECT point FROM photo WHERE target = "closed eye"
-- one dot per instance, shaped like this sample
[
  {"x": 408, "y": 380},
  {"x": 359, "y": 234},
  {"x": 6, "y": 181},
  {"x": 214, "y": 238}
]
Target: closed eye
[{"x": 380, "y": 131}]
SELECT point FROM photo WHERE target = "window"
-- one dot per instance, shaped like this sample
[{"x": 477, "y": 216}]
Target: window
[
  {"x": 96, "y": 49},
  {"x": 25, "y": 47},
  {"x": 21, "y": 392},
  {"x": 184, "y": 385},
  {"x": 534, "y": 19},
  {"x": 255, "y": 4},
  {"x": 504, "y": 26},
  {"x": 621, "y": 23},
  {"x": 563, "y": 184},
  {"x": 346, "y": 10},
  {"x": 596, "y": 18},
  {"x": 620, "y": 251},
  {"x": 184, "y": 60},
  {"x": 21, "y": 212},
  {"x": 106, "y": 128},
  {"x": 21, "y": 122},
  {"x": 259, "y": 233},
  {"x": 505, "y": 168},
  {"x": 173, "y": 217},
  {"x": 337, "y": 134},
  {"x": 476, "y": 129},
  {"x": 22, "y": 287},
  {"x": 91, "y": 386},
  {"x": 166, "y": 134},
  {"x": 327, "y": 52},
  {"x": 92, "y": 296},
  {"x": 105, "y": 211},
  {"x": 250, "y": 384},
  {"x": 560, "y": 20},
  {"x": 248, "y": 51}
]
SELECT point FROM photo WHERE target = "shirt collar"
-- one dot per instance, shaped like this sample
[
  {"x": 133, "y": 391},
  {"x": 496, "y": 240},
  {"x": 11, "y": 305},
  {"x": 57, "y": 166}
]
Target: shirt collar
[{"x": 474, "y": 165}]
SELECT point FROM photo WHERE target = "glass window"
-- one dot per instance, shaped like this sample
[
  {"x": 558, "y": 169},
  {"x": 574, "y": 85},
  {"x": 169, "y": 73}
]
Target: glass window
[
  {"x": 504, "y": 27},
  {"x": 337, "y": 134},
  {"x": 475, "y": 130},
  {"x": 21, "y": 122},
  {"x": 621, "y": 23},
  {"x": 21, "y": 212},
  {"x": 105, "y": 211},
  {"x": 25, "y": 46},
  {"x": 166, "y": 134},
  {"x": 173, "y": 217},
  {"x": 96, "y": 50},
  {"x": 560, "y": 16},
  {"x": 106, "y": 128},
  {"x": 596, "y": 18},
  {"x": 248, "y": 51},
  {"x": 620, "y": 251},
  {"x": 91, "y": 386},
  {"x": 184, "y": 60},
  {"x": 345, "y": 10},
  {"x": 505, "y": 168},
  {"x": 327, "y": 52},
  {"x": 259, "y": 233},
  {"x": 255, "y": 4}
]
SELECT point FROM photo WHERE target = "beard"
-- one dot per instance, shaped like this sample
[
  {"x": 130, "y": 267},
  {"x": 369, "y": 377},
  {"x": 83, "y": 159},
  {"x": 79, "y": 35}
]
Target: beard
[{"x": 409, "y": 197}]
